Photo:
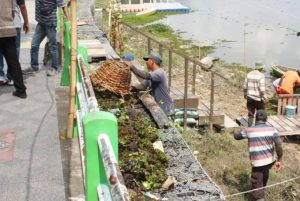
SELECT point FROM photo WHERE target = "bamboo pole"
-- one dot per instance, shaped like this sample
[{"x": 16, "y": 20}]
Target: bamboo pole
[{"x": 73, "y": 68}]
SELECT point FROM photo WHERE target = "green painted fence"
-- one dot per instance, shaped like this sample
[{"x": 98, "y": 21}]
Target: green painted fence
[{"x": 99, "y": 173}]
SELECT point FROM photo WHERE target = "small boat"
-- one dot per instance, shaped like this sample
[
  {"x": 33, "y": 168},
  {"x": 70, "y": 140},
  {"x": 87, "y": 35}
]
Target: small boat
[
  {"x": 278, "y": 71},
  {"x": 146, "y": 12}
]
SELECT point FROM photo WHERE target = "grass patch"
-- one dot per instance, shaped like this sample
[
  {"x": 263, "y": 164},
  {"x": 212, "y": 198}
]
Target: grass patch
[
  {"x": 226, "y": 161},
  {"x": 142, "y": 20}
]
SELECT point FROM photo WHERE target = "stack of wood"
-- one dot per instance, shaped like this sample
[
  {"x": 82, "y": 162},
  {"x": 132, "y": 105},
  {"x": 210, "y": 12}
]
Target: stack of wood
[{"x": 114, "y": 76}]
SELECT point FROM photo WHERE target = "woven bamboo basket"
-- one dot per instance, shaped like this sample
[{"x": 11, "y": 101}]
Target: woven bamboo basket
[{"x": 114, "y": 76}]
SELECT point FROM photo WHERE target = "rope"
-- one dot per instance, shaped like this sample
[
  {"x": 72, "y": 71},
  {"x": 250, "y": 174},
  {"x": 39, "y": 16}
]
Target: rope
[{"x": 276, "y": 184}]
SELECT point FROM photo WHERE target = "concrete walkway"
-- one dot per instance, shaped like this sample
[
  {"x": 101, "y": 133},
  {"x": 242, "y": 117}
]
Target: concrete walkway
[{"x": 30, "y": 150}]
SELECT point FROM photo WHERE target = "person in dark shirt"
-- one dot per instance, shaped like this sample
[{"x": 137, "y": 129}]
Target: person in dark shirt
[
  {"x": 45, "y": 15},
  {"x": 156, "y": 81}
]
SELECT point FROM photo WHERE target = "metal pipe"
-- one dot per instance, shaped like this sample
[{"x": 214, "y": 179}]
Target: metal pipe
[
  {"x": 92, "y": 101},
  {"x": 112, "y": 170}
]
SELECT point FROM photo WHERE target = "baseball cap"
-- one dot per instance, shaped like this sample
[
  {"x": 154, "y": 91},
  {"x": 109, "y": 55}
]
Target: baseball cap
[
  {"x": 128, "y": 57},
  {"x": 155, "y": 57},
  {"x": 261, "y": 115}
]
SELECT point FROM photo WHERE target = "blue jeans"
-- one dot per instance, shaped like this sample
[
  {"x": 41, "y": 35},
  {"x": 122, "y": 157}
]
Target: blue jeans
[
  {"x": 41, "y": 31},
  {"x": 18, "y": 44}
]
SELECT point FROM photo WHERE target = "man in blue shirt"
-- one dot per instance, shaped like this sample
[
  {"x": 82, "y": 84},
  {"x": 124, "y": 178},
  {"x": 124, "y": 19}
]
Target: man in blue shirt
[
  {"x": 45, "y": 15},
  {"x": 156, "y": 81}
]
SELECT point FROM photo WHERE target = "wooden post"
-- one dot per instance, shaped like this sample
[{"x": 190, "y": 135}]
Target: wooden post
[
  {"x": 245, "y": 47},
  {"x": 73, "y": 69},
  {"x": 186, "y": 65},
  {"x": 212, "y": 91},
  {"x": 149, "y": 46},
  {"x": 62, "y": 41},
  {"x": 194, "y": 79},
  {"x": 161, "y": 51},
  {"x": 170, "y": 68}
]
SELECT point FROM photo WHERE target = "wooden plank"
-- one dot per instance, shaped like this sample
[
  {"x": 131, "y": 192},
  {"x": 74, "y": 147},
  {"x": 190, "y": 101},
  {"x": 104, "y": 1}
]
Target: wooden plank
[
  {"x": 295, "y": 122},
  {"x": 96, "y": 52},
  {"x": 285, "y": 133},
  {"x": 296, "y": 119},
  {"x": 216, "y": 119},
  {"x": 289, "y": 123},
  {"x": 290, "y": 101},
  {"x": 90, "y": 43},
  {"x": 298, "y": 107},
  {"x": 279, "y": 106},
  {"x": 294, "y": 102},
  {"x": 273, "y": 123},
  {"x": 157, "y": 113},
  {"x": 288, "y": 95},
  {"x": 229, "y": 123},
  {"x": 283, "y": 105},
  {"x": 192, "y": 102},
  {"x": 283, "y": 124},
  {"x": 242, "y": 120}
]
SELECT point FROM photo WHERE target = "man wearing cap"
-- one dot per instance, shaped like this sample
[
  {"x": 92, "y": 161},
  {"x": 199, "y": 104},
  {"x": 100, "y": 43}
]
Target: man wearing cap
[
  {"x": 289, "y": 81},
  {"x": 156, "y": 80},
  {"x": 262, "y": 140},
  {"x": 254, "y": 91}
]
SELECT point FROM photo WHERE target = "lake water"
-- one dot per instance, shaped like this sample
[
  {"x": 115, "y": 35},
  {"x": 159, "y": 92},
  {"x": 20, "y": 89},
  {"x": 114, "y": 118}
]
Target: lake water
[{"x": 243, "y": 31}]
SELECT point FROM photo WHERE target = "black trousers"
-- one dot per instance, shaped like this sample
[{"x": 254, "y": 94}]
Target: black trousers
[
  {"x": 253, "y": 105},
  {"x": 8, "y": 48},
  {"x": 259, "y": 179}
]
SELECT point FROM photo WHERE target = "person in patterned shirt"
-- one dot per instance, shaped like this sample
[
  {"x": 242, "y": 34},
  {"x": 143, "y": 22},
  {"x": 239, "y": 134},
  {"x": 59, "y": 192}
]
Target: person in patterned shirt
[
  {"x": 254, "y": 91},
  {"x": 45, "y": 15},
  {"x": 262, "y": 141}
]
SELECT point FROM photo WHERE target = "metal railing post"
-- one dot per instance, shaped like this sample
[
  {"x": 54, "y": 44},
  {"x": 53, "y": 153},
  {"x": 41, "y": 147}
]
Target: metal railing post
[
  {"x": 194, "y": 79},
  {"x": 186, "y": 65},
  {"x": 149, "y": 45},
  {"x": 170, "y": 68},
  {"x": 212, "y": 91},
  {"x": 161, "y": 51}
]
